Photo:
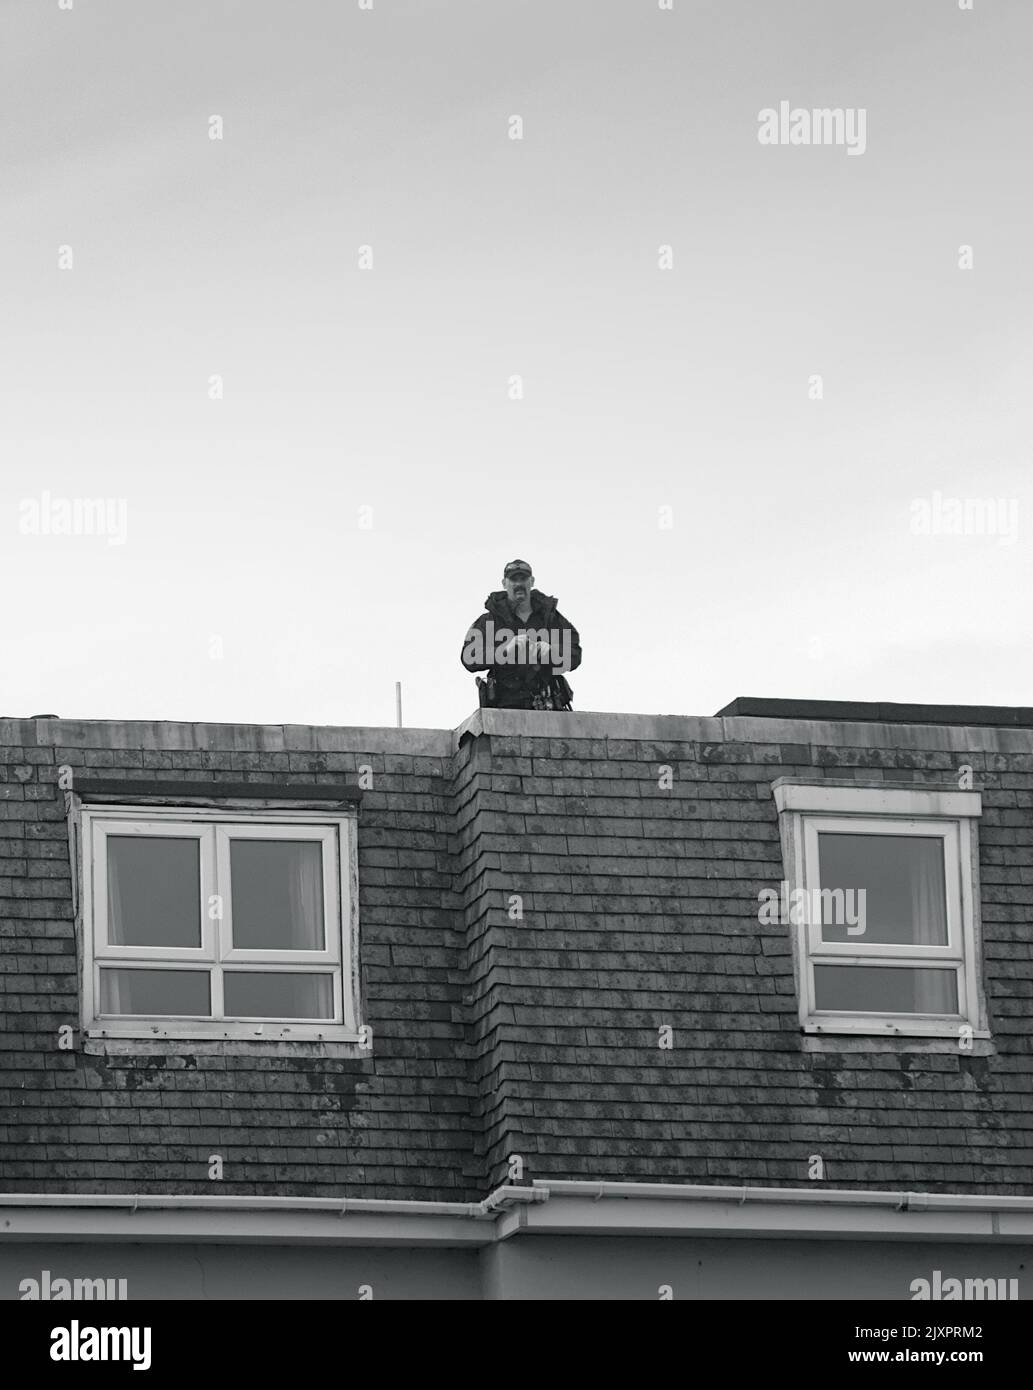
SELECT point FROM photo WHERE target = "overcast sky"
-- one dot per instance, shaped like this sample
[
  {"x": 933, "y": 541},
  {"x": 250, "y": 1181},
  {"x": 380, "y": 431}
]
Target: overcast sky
[{"x": 251, "y": 587}]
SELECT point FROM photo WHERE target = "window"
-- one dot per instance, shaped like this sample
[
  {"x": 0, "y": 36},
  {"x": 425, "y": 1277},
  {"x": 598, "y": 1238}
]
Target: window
[
  {"x": 881, "y": 893},
  {"x": 216, "y": 924}
]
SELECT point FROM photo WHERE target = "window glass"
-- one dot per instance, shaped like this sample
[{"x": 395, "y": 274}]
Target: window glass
[
  {"x": 903, "y": 880},
  {"x": 277, "y": 888},
  {"x": 154, "y": 891},
  {"x": 885, "y": 989},
  {"x": 266, "y": 994},
  {"x": 127, "y": 991}
]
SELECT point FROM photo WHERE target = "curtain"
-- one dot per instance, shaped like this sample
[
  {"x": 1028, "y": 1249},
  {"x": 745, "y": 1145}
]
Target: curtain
[
  {"x": 933, "y": 991},
  {"x": 116, "y": 934},
  {"x": 305, "y": 895}
]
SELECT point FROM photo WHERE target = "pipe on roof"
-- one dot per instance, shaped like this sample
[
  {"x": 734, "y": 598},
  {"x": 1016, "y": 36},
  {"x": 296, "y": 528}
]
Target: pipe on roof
[
  {"x": 496, "y": 1201},
  {"x": 901, "y": 1201},
  {"x": 541, "y": 1190}
]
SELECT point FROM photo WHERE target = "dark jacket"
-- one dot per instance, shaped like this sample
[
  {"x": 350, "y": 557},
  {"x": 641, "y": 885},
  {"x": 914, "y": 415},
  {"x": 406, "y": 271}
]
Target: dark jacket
[{"x": 517, "y": 685}]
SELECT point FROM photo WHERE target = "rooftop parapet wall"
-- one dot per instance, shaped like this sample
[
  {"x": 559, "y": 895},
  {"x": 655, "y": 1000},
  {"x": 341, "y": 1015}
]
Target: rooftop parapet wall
[
  {"x": 1001, "y": 730},
  {"x": 538, "y": 1037},
  {"x": 814, "y": 733}
]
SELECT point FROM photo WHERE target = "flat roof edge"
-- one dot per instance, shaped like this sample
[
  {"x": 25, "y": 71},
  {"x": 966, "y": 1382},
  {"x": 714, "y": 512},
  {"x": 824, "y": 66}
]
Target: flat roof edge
[
  {"x": 995, "y": 728},
  {"x": 878, "y": 712}
]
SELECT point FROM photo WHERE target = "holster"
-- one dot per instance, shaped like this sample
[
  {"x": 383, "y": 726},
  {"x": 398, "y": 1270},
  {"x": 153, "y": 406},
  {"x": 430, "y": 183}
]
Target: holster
[
  {"x": 563, "y": 695},
  {"x": 486, "y": 689}
]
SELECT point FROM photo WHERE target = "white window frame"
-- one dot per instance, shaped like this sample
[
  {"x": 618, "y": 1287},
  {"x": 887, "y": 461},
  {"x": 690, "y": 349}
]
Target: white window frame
[
  {"x": 805, "y": 811},
  {"x": 215, "y": 830}
]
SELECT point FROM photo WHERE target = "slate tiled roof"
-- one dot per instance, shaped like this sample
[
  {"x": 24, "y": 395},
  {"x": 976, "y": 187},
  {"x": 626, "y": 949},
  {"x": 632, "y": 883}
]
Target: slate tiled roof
[{"x": 495, "y": 1036}]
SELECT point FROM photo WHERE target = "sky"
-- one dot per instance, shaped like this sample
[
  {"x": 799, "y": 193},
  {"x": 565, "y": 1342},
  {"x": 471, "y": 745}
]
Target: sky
[{"x": 739, "y": 463}]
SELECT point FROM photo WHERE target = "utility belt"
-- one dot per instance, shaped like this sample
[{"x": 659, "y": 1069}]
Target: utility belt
[{"x": 553, "y": 693}]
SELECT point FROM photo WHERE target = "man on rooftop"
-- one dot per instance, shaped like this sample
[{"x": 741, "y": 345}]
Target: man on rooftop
[{"x": 525, "y": 644}]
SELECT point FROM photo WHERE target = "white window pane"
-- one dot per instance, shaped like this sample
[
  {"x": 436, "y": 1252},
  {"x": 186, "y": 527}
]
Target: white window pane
[
  {"x": 277, "y": 888},
  {"x": 886, "y": 989},
  {"x": 127, "y": 991},
  {"x": 154, "y": 891},
  {"x": 265, "y": 994},
  {"x": 903, "y": 880}
]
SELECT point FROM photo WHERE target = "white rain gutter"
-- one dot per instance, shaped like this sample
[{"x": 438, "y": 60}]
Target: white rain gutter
[
  {"x": 251, "y": 1220},
  {"x": 901, "y": 1201},
  {"x": 641, "y": 1209},
  {"x": 544, "y": 1207},
  {"x": 502, "y": 1196}
]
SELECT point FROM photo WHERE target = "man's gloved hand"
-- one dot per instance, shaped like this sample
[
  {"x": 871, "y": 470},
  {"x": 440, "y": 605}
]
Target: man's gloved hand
[
  {"x": 510, "y": 649},
  {"x": 524, "y": 649}
]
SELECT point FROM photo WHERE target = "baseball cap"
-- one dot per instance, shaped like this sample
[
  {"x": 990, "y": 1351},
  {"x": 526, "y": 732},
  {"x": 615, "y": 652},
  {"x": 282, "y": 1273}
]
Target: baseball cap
[{"x": 515, "y": 565}]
